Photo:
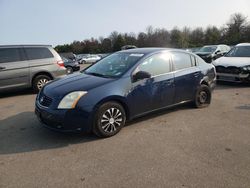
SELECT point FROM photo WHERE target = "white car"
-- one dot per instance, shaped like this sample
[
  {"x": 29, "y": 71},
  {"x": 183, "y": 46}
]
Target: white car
[
  {"x": 235, "y": 65},
  {"x": 90, "y": 59}
]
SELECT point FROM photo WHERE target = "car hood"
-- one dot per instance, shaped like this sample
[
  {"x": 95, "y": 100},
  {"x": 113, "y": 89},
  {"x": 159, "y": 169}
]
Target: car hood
[
  {"x": 74, "y": 82},
  {"x": 232, "y": 61}
]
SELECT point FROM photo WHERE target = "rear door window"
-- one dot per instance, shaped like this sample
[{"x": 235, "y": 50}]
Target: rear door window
[
  {"x": 38, "y": 53},
  {"x": 9, "y": 55},
  {"x": 156, "y": 64},
  {"x": 181, "y": 60}
]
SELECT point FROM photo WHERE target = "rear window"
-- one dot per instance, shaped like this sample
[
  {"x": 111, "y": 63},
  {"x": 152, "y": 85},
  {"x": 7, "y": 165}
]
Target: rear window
[
  {"x": 9, "y": 55},
  {"x": 181, "y": 60},
  {"x": 38, "y": 53}
]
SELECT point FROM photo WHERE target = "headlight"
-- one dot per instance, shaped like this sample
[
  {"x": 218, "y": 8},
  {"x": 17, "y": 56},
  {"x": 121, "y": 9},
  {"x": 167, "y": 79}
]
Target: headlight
[
  {"x": 246, "y": 68},
  {"x": 69, "y": 101}
]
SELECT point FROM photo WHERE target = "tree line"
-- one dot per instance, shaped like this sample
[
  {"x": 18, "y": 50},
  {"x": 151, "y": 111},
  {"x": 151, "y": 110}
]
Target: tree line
[{"x": 235, "y": 31}]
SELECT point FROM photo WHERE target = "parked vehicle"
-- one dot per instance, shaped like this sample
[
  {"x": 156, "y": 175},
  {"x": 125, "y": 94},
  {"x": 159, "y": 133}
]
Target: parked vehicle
[
  {"x": 127, "y": 47},
  {"x": 24, "y": 66},
  {"x": 103, "y": 55},
  {"x": 194, "y": 50},
  {"x": 123, "y": 86},
  {"x": 90, "y": 59},
  {"x": 212, "y": 52},
  {"x": 235, "y": 65},
  {"x": 80, "y": 56},
  {"x": 68, "y": 55},
  {"x": 71, "y": 65}
]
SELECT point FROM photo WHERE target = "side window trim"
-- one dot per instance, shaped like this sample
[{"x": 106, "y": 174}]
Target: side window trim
[
  {"x": 23, "y": 55},
  {"x": 193, "y": 60}
]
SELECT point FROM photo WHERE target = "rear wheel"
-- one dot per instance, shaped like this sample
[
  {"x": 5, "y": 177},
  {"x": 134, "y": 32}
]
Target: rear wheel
[
  {"x": 109, "y": 119},
  {"x": 39, "y": 82},
  {"x": 69, "y": 70},
  {"x": 203, "y": 97}
]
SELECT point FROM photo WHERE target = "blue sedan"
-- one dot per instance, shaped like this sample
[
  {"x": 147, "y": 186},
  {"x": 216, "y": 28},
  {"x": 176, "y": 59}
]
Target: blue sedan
[{"x": 124, "y": 86}]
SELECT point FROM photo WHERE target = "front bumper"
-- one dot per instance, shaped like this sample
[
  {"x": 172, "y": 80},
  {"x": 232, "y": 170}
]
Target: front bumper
[
  {"x": 233, "y": 77},
  {"x": 74, "y": 120}
]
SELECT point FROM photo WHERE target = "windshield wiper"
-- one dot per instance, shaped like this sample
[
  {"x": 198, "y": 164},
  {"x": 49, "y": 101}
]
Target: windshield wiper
[{"x": 97, "y": 74}]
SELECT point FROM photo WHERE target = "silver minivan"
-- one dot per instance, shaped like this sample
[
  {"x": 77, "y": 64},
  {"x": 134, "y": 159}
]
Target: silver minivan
[{"x": 24, "y": 66}]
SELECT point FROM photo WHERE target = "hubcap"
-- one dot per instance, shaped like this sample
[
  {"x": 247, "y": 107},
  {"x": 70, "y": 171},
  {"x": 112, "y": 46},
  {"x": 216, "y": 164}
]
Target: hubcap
[
  {"x": 203, "y": 97},
  {"x": 69, "y": 70},
  {"x": 111, "y": 119},
  {"x": 42, "y": 83}
]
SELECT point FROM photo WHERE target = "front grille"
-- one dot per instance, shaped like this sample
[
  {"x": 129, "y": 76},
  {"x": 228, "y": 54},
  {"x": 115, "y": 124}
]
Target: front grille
[
  {"x": 229, "y": 70},
  {"x": 44, "y": 100}
]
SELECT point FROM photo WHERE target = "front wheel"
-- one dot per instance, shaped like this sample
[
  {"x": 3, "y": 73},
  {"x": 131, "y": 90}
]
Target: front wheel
[
  {"x": 109, "y": 119},
  {"x": 203, "y": 97}
]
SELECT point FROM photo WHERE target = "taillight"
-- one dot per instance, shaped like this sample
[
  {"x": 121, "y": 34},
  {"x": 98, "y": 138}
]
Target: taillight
[{"x": 60, "y": 63}]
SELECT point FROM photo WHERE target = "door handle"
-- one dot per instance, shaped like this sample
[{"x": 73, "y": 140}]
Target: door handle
[
  {"x": 2, "y": 68},
  {"x": 169, "y": 82}
]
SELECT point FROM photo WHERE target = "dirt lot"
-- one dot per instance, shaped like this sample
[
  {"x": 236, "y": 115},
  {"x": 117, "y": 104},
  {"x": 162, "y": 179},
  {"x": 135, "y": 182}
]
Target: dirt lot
[{"x": 181, "y": 147}]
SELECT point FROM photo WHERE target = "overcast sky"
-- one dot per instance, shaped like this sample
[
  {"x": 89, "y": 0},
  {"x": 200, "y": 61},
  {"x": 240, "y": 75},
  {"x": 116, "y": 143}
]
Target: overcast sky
[{"x": 63, "y": 21}]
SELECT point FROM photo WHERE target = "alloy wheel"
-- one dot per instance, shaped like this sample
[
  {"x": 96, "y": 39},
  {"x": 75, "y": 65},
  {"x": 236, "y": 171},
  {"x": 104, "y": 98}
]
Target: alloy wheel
[
  {"x": 203, "y": 97},
  {"x": 41, "y": 83},
  {"x": 111, "y": 119}
]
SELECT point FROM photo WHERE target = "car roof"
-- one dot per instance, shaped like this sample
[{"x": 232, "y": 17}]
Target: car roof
[
  {"x": 243, "y": 44},
  {"x": 146, "y": 51},
  {"x": 210, "y": 45},
  {"x": 24, "y": 45}
]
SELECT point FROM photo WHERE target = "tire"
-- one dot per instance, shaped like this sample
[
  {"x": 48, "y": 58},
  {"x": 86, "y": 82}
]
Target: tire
[
  {"x": 39, "y": 82},
  {"x": 83, "y": 62},
  {"x": 69, "y": 70},
  {"x": 203, "y": 97},
  {"x": 109, "y": 119}
]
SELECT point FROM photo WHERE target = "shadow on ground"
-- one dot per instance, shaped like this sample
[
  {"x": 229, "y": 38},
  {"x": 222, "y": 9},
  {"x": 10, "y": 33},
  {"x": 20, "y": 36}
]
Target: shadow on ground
[
  {"x": 244, "y": 107},
  {"x": 229, "y": 85},
  {"x": 24, "y": 133},
  {"x": 14, "y": 93}
]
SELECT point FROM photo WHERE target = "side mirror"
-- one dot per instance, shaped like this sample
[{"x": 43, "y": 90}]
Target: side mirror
[
  {"x": 141, "y": 75},
  {"x": 218, "y": 51}
]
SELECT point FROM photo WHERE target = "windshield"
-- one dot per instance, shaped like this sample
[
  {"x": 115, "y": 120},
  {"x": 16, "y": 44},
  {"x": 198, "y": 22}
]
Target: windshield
[
  {"x": 208, "y": 49},
  {"x": 240, "y": 51},
  {"x": 114, "y": 65}
]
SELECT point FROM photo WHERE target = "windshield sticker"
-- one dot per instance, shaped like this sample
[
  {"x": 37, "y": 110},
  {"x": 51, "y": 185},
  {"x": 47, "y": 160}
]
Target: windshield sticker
[{"x": 136, "y": 55}]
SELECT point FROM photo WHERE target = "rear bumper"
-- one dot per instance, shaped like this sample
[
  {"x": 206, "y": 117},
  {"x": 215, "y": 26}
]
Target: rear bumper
[
  {"x": 60, "y": 72},
  {"x": 233, "y": 77},
  {"x": 64, "y": 120}
]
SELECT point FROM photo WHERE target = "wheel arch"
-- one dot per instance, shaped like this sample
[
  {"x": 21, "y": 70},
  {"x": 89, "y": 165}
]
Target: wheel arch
[
  {"x": 205, "y": 81},
  {"x": 39, "y": 74},
  {"x": 118, "y": 99}
]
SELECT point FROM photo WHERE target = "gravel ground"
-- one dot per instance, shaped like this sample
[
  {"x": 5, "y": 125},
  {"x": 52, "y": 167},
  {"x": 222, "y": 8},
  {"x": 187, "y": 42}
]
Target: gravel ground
[{"x": 180, "y": 147}]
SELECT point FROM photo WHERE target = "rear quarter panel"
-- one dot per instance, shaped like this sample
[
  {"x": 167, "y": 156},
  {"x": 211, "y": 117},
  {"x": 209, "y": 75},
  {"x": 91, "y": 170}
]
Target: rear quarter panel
[{"x": 209, "y": 74}]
